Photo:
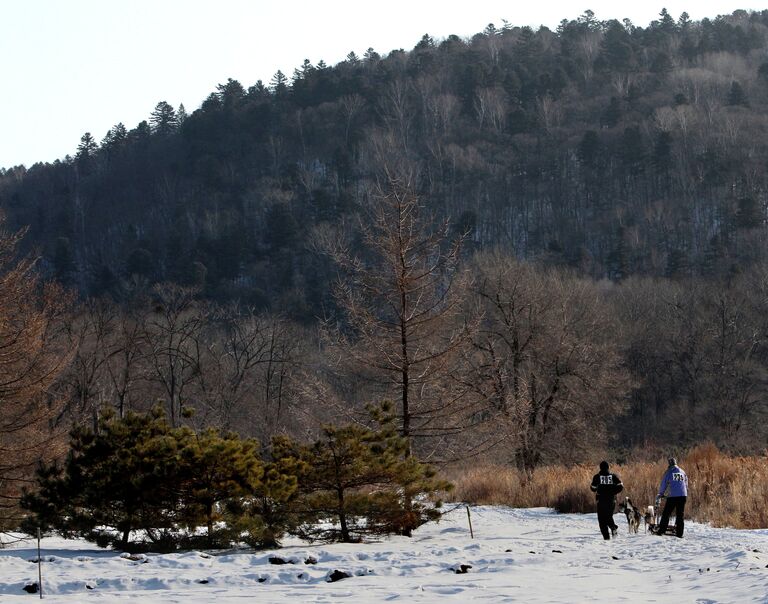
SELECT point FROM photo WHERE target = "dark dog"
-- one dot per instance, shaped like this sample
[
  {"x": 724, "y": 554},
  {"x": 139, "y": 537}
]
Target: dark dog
[{"x": 632, "y": 513}]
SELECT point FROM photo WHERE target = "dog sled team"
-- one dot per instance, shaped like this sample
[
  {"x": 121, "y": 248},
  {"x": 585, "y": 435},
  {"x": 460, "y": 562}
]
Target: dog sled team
[{"x": 673, "y": 489}]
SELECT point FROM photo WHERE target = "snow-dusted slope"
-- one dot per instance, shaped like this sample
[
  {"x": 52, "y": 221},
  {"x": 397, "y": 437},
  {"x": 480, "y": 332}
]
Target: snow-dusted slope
[{"x": 516, "y": 556}]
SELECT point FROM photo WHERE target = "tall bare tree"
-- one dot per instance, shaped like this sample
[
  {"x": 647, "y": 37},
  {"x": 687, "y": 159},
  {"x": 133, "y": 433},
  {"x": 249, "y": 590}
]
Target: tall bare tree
[
  {"x": 127, "y": 356},
  {"x": 402, "y": 302},
  {"x": 699, "y": 354},
  {"x": 547, "y": 364},
  {"x": 85, "y": 383},
  {"x": 173, "y": 335},
  {"x": 247, "y": 371}
]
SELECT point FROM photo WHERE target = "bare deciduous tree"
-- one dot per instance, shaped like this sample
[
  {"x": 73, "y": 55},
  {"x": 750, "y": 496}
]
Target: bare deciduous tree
[
  {"x": 32, "y": 353},
  {"x": 89, "y": 337},
  {"x": 126, "y": 357},
  {"x": 699, "y": 355},
  {"x": 402, "y": 305},
  {"x": 246, "y": 376},
  {"x": 548, "y": 366},
  {"x": 173, "y": 336}
]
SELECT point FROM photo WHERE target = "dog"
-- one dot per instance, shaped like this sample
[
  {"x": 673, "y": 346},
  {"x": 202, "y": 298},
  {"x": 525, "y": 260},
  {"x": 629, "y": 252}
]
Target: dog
[
  {"x": 632, "y": 513},
  {"x": 650, "y": 519}
]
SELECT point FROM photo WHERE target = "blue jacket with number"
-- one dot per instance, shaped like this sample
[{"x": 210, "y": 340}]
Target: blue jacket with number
[{"x": 676, "y": 480}]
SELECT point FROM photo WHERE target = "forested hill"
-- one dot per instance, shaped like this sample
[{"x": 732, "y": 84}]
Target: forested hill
[{"x": 611, "y": 147}]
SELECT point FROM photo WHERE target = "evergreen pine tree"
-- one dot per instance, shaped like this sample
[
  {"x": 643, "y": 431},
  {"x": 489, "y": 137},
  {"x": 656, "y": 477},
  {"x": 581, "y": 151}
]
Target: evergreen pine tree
[
  {"x": 365, "y": 481},
  {"x": 87, "y": 147},
  {"x": 737, "y": 96},
  {"x": 86, "y": 153},
  {"x": 279, "y": 83},
  {"x": 216, "y": 468},
  {"x": 271, "y": 510},
  {"x": 116, "y": 479},
  {"x": 181, "y": 114},
  {"x": 163, "y": 119}
]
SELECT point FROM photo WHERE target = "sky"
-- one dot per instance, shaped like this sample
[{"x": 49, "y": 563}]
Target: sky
[{"x": 74, "y": 66}]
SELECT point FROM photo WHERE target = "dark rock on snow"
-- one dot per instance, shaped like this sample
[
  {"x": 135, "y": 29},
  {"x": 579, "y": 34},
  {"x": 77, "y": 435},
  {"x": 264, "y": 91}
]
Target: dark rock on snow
[
  {"x": 279, "y": 560},
  {"x": 337, "y": 575}
]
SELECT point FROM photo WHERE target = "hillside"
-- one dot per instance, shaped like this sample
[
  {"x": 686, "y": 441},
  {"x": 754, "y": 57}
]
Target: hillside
[{"x": 613, "y": 148}]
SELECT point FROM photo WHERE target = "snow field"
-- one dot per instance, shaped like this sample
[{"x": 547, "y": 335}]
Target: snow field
[{"x": 517, "y": 555}]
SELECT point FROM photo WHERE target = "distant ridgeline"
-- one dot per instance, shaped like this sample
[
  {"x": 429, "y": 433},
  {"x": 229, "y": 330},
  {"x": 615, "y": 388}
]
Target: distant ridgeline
[{"x": 606, "y": 146}]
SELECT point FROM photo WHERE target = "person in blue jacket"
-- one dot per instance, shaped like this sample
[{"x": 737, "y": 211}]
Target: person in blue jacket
[
  {"x": 675, "y": 482},
  {"x": 605, "y": 485}
]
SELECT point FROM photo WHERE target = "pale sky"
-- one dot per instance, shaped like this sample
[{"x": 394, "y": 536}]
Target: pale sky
[{"x": 74, "y": 66}]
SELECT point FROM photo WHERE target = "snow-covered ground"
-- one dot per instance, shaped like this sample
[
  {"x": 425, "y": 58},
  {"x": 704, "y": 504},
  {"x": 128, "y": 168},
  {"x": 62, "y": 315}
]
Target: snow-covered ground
[{"x": 527, "y": 556}]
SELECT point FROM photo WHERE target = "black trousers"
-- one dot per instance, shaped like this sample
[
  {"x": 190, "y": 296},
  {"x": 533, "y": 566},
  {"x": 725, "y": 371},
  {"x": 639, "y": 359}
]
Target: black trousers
[
  {"x": 605, "y": 516},
  {"x": 676, "y": 505}
]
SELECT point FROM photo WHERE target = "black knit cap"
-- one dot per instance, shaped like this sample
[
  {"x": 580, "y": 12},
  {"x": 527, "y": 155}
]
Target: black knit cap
[
  {"x": 672, "y": 461},
  {"x": 604, "y": 466}
]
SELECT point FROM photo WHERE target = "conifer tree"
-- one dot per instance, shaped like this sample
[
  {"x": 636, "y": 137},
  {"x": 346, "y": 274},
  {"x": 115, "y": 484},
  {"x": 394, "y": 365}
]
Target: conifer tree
[
  {"x": 163, "y": 119},
  {"x": 230, "y": 93},
  {"x": 279, "y": 83},
  {"x": 371, "y": 56},
  {"x": 114, "y": 137},
  {"x": 270, "y": 509},
  {"x": 181, "y": 114},
  {"x": 87, "y": 147},
  {"x": 216, "y": 468},
  {"x": 737, "y": 96},
  {"x": 115, "y": 480},
  {"x": 138, "y": 473},
  {"x": 86, "y": 153},
  {"x": 361, "y": 478}
]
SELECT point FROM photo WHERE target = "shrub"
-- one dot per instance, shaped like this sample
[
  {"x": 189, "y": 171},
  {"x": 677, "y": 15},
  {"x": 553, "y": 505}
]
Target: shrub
[
  {"x": 138, "y": 484},
  {"x": 116, "y": 477},
  {"x": 137, "y": 476},
  {"x": 269, "y": 512},
  {"x": 574, "y": 500},
  {"x": 363, "y": 480}
]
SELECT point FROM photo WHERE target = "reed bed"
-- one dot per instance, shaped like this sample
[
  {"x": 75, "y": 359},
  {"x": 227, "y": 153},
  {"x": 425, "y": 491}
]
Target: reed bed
[{"x": 724, "y": 491}]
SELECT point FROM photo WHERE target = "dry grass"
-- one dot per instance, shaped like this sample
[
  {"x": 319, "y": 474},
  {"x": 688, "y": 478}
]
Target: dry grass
[{"x": 723, "y": 490}]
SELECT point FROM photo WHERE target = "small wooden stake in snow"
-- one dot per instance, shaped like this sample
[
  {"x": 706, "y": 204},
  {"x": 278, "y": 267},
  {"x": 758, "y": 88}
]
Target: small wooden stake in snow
[
  {"x": 39, "y": 565},
  {"x": 471, "y": 533}
]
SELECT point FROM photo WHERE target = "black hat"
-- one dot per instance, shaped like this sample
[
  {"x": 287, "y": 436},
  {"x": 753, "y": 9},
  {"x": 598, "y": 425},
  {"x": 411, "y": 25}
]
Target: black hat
[
  {"x": 672, "y": 461},
  {"x": 604, "y": 466}
]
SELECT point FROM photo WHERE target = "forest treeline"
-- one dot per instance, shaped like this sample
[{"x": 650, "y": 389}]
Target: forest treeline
[
  {"x": 610, "y": 147},
  {"x": 540, "y": 246}
]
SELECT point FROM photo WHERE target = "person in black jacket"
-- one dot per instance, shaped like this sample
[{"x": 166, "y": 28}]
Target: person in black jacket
[{"x": 606, "y": 485}]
